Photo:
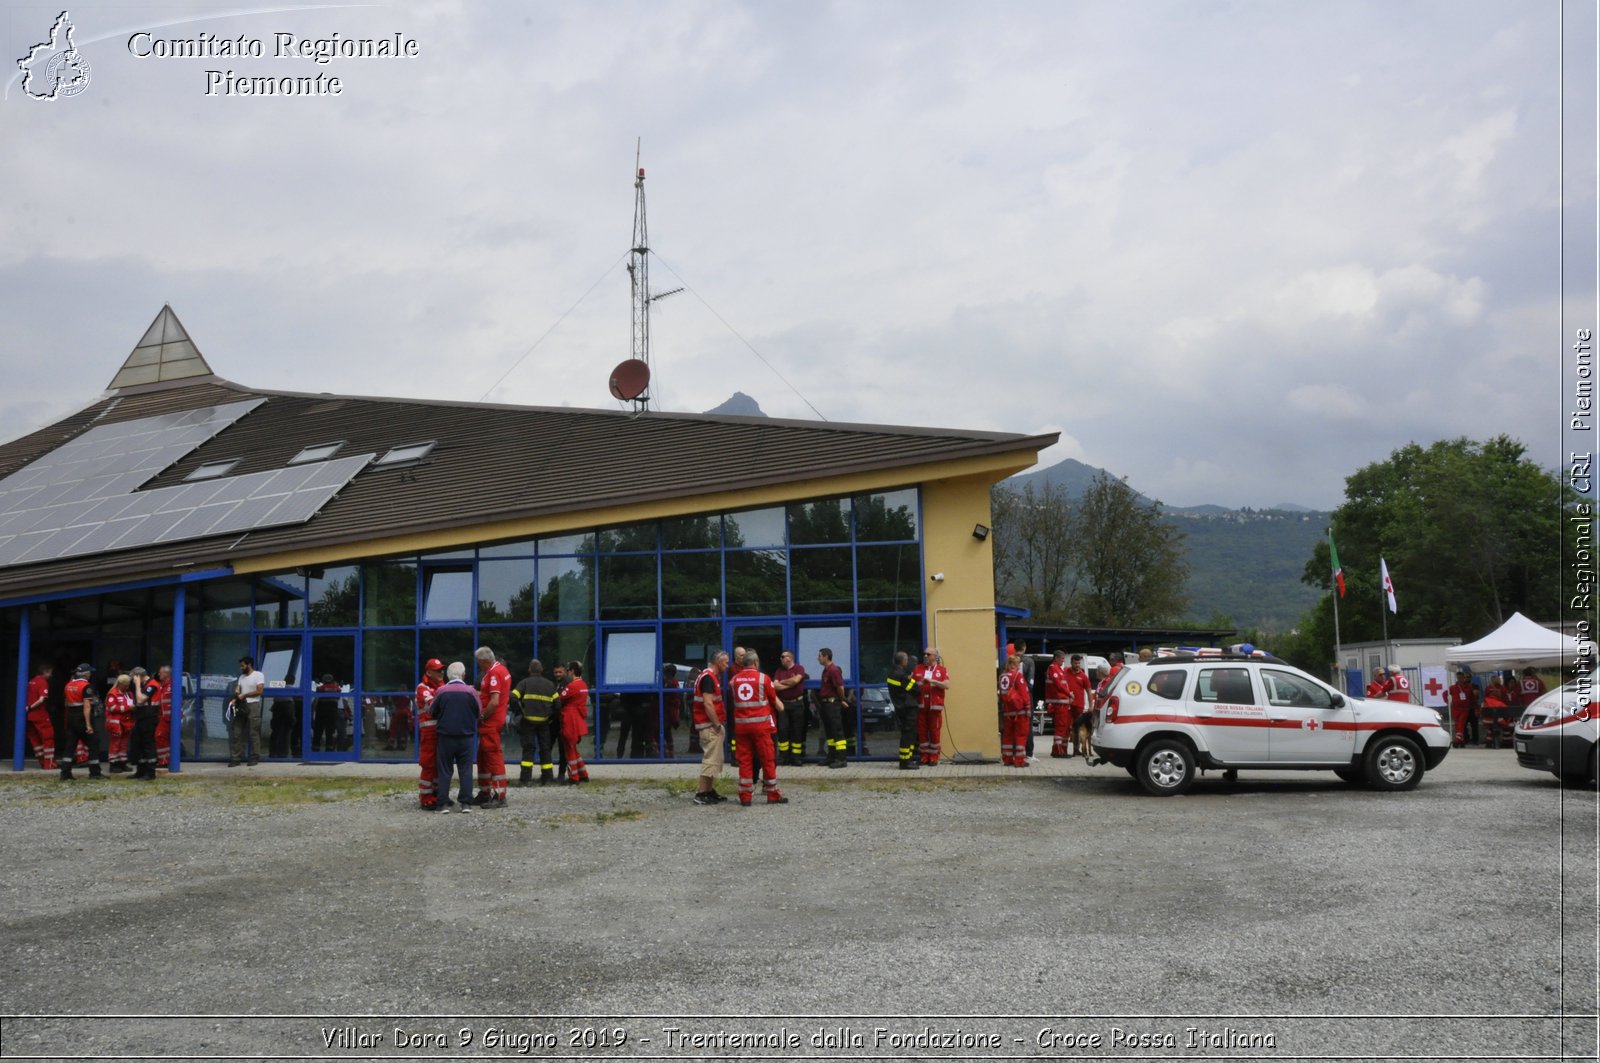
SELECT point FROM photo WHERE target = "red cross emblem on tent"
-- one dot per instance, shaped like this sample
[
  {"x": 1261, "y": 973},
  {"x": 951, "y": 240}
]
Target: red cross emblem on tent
[
  {"x": 1310, "y": 725},
  {"x": 1433, "y": 686}
]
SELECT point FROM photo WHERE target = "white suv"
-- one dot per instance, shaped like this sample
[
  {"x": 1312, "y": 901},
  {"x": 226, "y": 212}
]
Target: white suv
[
  {"x": 1167, "y": 719},
  {"x": 1557, "y": 732}
]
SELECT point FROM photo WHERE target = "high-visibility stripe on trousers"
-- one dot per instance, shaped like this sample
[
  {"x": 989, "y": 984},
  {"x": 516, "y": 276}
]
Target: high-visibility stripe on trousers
[
  {"x": 930, "y": 722},
  {"x": 1014, "y": 739},
  {"x": 491, "y": 764},
  {"x": 755, "y": 746}
]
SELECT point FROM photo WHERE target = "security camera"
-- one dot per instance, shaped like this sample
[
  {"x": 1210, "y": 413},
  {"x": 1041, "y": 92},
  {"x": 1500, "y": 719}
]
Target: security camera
[{"x": 937, "y": 577}]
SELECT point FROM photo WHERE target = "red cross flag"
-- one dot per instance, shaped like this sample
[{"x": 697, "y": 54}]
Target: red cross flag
[
  {"x": 1434, "y": 681},
  {"x": 1388, "y": 585}
]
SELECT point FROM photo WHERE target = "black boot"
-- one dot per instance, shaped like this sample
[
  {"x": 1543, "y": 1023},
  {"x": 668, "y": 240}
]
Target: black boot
[{"x": 526, "y": 777}]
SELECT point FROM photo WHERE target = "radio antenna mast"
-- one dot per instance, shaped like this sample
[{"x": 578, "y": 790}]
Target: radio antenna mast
[{"x": 636, "y": 378}]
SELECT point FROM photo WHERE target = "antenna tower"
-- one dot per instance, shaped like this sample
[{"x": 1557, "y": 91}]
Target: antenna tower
[{"x": 639, "y": 276}]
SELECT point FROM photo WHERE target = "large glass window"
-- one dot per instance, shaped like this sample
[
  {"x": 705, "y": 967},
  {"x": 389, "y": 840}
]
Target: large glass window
[
  {"x": 280, "y": 600},
  {"x": 690, "y": 646},
  {"x": 888, "y": 516},
  {"x": 691, "y": 533},
  {"x": 521, "y": 548},
  {"x": 448, "y": 644},
  {"x": 628, "y": 587},
  {"x": 224, "y": 604},
  {"x": 390, "y": 660},
  {"x": 820, "y": 580},
  {"x": 888, "y": 578},
  {"x": 446, "y": 594},
  {"x": 579, "y": 543},
  {"x": 691, "y": 585},
  {"x": 757, "y": 582},
  {"x": 628, "y": 537},
  {"x": 566, "y": 589},
  {"x": 808, "y": 640},
  {"x": 630, "y": 659},
  {"x": 754, "y": 527},
  {"x": 505, "y": 591},
  {"x": 881, "y": 637},
  {"x": 514, "y": 645},
  {"x": 389, "y": 593},
  {"x": 334, "y": 596},
  {"x": 567, "y": 642},
  {"x": 823, "y": 522}
]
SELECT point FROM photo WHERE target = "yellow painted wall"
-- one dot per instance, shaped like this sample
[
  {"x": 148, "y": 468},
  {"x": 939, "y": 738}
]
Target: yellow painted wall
[{"x": 960, "y": 609}]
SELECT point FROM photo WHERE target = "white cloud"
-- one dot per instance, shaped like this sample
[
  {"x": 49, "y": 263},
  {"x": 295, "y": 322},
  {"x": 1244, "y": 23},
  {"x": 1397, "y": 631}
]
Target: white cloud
[{"x": 1169, "y": 229}]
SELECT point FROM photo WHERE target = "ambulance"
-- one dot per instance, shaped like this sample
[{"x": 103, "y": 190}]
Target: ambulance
[{"x": 1557, "y": 732}]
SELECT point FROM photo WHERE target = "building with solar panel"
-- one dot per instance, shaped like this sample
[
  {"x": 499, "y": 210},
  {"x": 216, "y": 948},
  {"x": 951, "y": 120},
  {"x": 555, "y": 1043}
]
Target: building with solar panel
[{"x": 187, "y": 520}]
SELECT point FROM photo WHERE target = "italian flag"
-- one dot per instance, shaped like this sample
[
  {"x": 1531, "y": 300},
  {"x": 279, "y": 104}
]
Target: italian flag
[{"x": 1338, "y": 569}]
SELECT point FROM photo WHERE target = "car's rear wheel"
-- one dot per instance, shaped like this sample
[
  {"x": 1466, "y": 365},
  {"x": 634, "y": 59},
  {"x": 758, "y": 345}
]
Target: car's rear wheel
[
  {"x": 1351, "y": 775},
  {"x": 1166, "y": 767},
  {"x": 1394, "y": 763}
]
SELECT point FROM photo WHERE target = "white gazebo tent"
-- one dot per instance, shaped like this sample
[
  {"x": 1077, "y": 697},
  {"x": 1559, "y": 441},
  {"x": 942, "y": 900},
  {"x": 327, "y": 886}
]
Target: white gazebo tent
[{"x": 1519, "y": 642}]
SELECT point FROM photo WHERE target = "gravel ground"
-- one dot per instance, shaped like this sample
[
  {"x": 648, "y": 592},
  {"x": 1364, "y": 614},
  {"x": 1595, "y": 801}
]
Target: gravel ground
[{"x": 311, "y": 912}]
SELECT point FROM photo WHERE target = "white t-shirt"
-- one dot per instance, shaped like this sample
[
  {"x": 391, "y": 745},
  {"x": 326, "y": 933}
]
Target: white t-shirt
[{"x": 251, "y": 685}]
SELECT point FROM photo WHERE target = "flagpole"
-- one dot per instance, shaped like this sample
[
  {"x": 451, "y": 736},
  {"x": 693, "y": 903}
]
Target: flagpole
[
  {"x": 1338, "y": 644},
  {"x": 1383, "y": 611}
]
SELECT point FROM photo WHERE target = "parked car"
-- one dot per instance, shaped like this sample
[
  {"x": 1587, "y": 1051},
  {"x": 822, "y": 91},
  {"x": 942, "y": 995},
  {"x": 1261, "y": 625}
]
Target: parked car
[
  {"x": 1170, "y": 718},
  {"x": 1557, "y": 733},
  {"x": 877, "y": 712}
]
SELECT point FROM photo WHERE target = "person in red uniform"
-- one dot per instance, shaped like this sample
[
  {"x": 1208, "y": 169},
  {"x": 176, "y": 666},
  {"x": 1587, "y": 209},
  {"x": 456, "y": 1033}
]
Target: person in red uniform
[
  {"x": 1499, "y": 718},
  {"x": 754, "y": 709},
  {"x": 119, "y": 722},
  {"x": 1057, "y": 697},
  {"x": 1378, "y": 689},
  {"x": 933, "y": 681},
  {"x": 1016, "y": 703},
  {"x": 163, "y": 699},
  {"x": 1103, "y": 690},
  {"x": 1080, "y": 690},
  {"x": 77, "y": 723},
  {"x": 41, "y": 732},
  {"x": 1399, "y": 685},
  {"x": 1461, "y": 699},
  {"x": 574, "y": 722},
  {"x": 1530, "y": 689},
  {"x": 427, "y": 736},
  {"x": 709, "y": 720},
  {"x": 494, "y": 698}
]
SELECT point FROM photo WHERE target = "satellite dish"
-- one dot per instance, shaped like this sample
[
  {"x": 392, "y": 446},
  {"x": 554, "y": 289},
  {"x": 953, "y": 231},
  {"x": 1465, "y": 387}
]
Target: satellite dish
[{"x": 630, "y": 379}]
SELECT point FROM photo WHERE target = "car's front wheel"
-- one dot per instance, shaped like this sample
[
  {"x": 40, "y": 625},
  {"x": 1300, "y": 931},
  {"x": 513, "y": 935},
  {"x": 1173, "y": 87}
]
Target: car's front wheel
[
  {"x": 1585, "y": 777},
  {"x": 1166, "y": 767},
  {"x": 1394, "y": 763}
]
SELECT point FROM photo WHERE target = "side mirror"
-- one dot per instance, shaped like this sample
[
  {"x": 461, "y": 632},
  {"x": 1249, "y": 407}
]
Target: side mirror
[{"x": 1338, "y": 701}]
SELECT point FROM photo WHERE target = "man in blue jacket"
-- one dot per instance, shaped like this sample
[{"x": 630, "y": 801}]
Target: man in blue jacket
[{"x": 455, "y": 712}]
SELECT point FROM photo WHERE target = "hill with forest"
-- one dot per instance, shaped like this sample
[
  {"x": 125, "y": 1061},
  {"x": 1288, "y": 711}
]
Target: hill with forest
[{"x": 1244, "y": 564}]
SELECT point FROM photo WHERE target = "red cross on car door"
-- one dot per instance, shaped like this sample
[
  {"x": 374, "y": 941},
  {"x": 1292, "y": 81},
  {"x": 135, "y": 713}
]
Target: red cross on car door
[{"x": 1307, "y": 726}]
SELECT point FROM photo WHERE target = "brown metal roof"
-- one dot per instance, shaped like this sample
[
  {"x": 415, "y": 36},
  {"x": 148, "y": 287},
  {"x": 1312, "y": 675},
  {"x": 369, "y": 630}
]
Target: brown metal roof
[{"x": 491, "y": 463}]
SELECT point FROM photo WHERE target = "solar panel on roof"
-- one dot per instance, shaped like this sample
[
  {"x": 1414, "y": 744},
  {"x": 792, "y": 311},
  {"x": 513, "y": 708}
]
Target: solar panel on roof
[{"x": 84, "y": 498}]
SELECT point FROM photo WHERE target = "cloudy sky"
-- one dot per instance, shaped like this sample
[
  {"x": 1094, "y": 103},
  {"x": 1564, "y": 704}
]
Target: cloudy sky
[{"x": 1230, "y": 250}]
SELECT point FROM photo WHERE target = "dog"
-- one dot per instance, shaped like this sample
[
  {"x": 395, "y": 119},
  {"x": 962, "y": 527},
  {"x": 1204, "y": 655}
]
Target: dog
[{"x": 1083, "y": 733}]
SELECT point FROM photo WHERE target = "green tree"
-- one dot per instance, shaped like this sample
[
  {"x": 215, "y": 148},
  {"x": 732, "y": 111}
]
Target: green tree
[
  {"x": 1132, "y": 561},
  {"x": 1034, "y": 561},
  {"x": 1110, "y": 558},
  {"x": 1471, "y": 531}
]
